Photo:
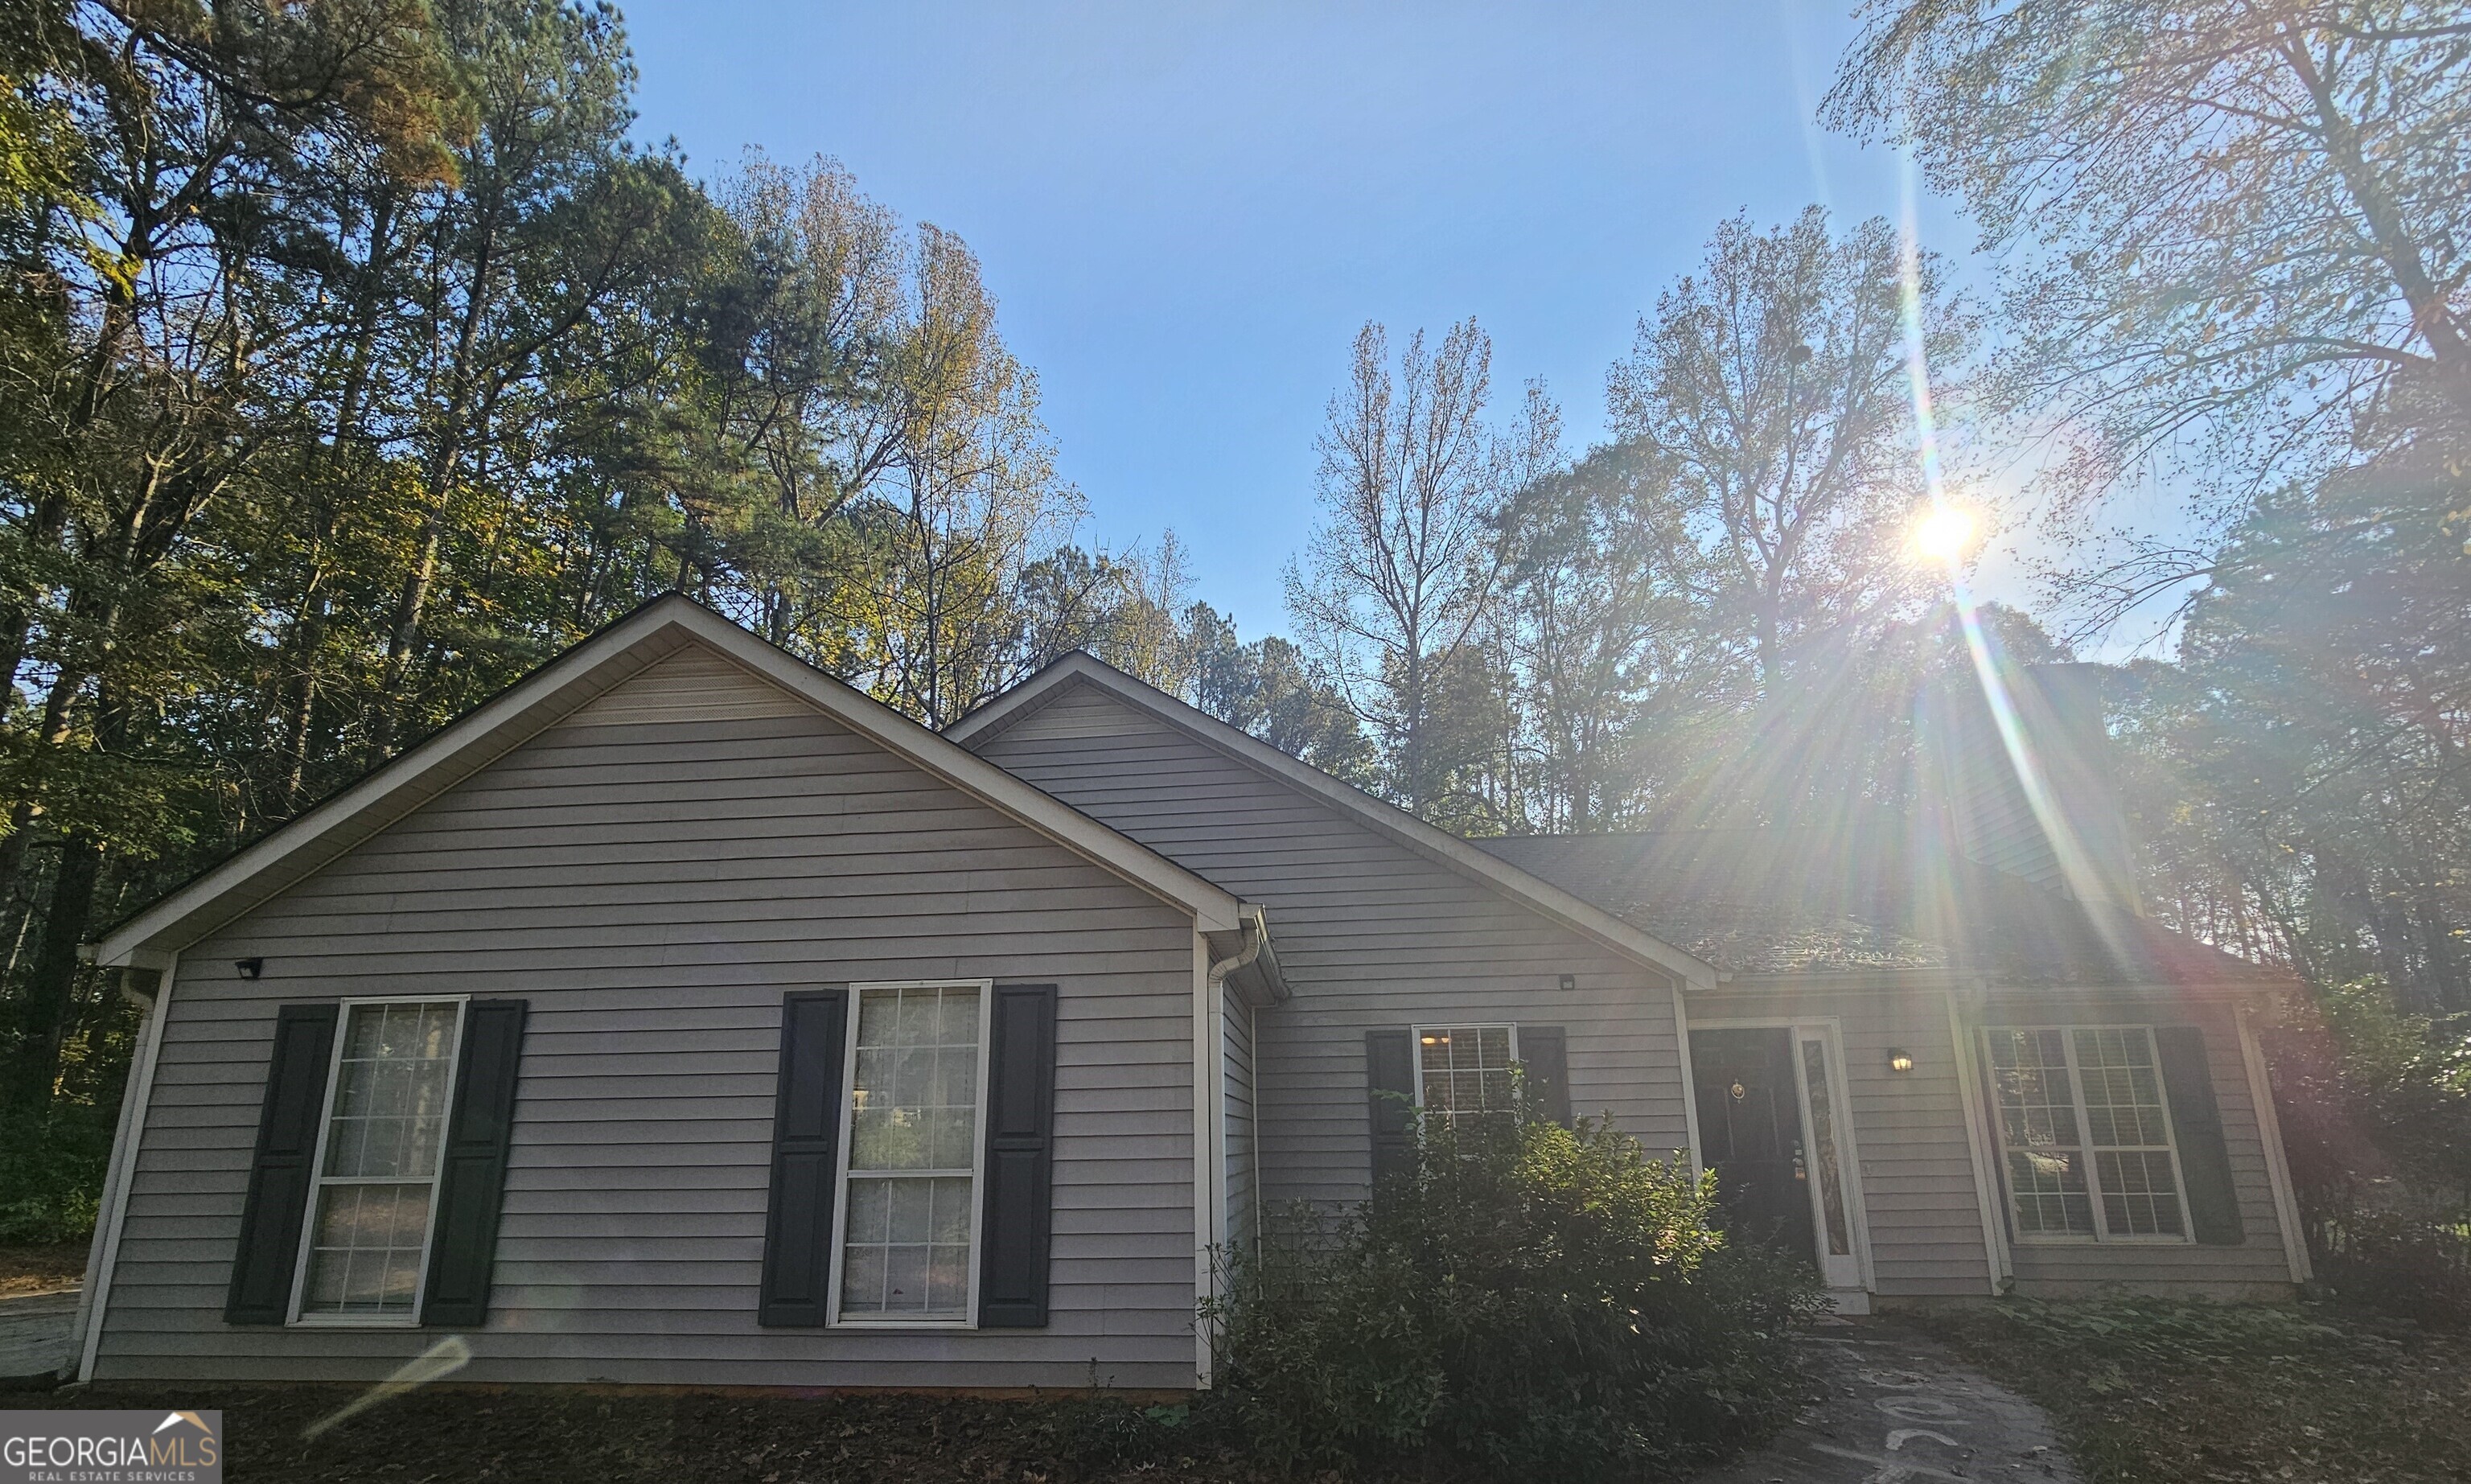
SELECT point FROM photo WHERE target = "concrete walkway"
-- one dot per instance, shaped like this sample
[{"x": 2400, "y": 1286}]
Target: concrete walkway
[
  {"x": 35, "y": 1333},
  {"x": 1903, "y": 1409}
]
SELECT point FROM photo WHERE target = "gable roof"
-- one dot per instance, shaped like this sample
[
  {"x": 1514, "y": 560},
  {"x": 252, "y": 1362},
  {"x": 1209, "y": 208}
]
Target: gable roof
[
  {"x": 1864, "y": 895},
  {"x": 591, "y": 666},
  {"x": 1511, "y": 881}
]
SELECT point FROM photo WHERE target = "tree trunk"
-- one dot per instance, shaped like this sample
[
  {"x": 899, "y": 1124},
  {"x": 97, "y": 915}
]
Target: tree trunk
[{"x": 51, "y": 979}]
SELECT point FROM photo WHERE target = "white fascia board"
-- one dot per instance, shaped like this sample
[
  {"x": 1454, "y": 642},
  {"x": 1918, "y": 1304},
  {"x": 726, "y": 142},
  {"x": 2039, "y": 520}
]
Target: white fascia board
[
  {"x": 1385, "y": 819},
  {"x": 557, "y": 689}
]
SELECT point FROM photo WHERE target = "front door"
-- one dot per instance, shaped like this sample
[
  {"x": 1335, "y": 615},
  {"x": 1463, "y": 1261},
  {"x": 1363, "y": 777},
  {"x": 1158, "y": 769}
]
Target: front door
[{"x": 1751, "y": 1134}]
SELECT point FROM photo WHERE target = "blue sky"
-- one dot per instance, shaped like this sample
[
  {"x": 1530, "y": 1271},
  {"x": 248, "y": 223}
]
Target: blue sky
[{"x": 1186, "y": 211}]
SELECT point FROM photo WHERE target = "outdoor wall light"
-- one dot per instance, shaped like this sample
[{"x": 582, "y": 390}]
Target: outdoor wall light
[
  {"x": 249, "y": 967},
  {"x": 1901, "y": 1060}
]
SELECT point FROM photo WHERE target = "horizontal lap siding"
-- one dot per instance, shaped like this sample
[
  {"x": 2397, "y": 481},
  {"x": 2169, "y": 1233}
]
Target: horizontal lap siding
[
  {"x": 653, "y": 876},
  {"x": 1242, "y": 1164},
  {"x": 1369, "y": 935},
  {"x": 2258, "y": 1265},
  {"x": 1915, "y": 1164}
]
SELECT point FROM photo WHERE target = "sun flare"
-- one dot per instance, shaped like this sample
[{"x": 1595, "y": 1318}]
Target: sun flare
[{"x": 1944, "y": 533}]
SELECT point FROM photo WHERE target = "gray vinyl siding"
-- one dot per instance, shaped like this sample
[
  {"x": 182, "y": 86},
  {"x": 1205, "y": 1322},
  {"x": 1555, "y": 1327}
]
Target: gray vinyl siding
[
  {"x": 1369, "y": 934},
  {"x": 1915, "y": 1163},
  {"x": 1243, "y": 1187},
  {"x": 2257, "y": 1267},
  {"x": 652, "y": 875}
]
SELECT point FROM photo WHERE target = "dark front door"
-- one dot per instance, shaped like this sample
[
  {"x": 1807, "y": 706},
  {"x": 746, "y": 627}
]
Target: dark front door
[{"x": 1750, "y": 1130}]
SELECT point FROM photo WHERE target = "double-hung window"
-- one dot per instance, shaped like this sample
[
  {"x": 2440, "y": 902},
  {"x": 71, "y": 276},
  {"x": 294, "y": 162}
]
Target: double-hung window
[
  {"x": 909, "y": 1213},
  {"x": 1464, "y": 1071},
  {"x": 375, "y": 1195},
  {"x": 2084, "y": 1132}
]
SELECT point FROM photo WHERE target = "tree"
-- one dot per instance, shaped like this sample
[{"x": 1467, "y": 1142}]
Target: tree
[
  {"x": 1774, "y": 388},
  {"x": 1605, "y": 626},
  {"x": 2303, "y": 771},
  {"x": 1266, "y": 688},
  {"x": 1403, "y": 566},
  {"x": 184, "y": 299},
  {"x": 2233, "y": 232}
]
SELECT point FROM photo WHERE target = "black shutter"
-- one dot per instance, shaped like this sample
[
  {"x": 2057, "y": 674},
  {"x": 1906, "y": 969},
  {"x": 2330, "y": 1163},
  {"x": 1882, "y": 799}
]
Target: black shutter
[
  {"x": 471, "y": 1173},
  {"x": 1544, "y": 1051},
  {"x": 806, "y": 1153},
  {"x": 1390, "y": 1079},
  {"x": 2188, "y": 1081},
  {"x": 1020, "y": 1141},
  {"x": 278, "y": 1177}
]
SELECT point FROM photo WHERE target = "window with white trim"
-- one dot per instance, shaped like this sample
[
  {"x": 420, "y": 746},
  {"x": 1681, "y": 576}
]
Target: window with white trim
[
  {"x": 1465, "y": 1069},
  {"x": 2084, "y": 1132},
  {"x": 909, "y": 1195},
  {"x": 375, "y": 1190}
]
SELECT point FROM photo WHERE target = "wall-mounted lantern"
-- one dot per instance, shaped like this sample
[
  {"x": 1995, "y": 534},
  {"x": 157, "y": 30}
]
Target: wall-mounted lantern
[{"x": 1900, "y": 1061}]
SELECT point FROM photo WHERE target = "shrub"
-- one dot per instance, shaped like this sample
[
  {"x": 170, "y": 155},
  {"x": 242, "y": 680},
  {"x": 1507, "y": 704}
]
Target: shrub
[
  {"x": 2375, "y": 1105},
  {"x": 1532, "y": 1300}
]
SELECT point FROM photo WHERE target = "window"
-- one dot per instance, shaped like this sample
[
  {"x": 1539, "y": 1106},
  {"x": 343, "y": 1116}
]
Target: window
[
  {"x": 1465, "y": 1069},
  {"x": 909, "y": 1207},
  {"x": 367, "y": 1253},
  {"x": 1822, "y": 1149},
  {"x": 2084, "y": 1133}
]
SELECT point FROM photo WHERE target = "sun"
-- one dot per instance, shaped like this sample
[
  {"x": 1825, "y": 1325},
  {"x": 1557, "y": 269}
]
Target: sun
[{"x": 1944, "y": 533}]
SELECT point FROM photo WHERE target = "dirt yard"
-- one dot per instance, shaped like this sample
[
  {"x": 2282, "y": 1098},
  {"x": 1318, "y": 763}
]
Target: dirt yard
[
  {"x": 458, "y": 1435},
  {"x": 28, "y": 1270}
]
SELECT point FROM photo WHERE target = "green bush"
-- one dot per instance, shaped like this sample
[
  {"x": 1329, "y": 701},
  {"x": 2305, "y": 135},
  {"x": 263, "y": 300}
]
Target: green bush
[{"x": 1533, "y": 1301}]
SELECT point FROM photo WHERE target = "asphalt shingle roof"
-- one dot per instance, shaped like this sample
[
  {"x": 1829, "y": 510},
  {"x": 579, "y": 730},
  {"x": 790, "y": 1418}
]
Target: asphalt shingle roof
[{"x": 1783, "y": 901}]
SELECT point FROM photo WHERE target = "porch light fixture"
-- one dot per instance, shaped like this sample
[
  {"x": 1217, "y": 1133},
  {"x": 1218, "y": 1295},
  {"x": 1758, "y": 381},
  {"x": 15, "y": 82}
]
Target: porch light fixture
[
  {"x": 1899, "y": 1060},
  {"x": 249, "y": 967}
]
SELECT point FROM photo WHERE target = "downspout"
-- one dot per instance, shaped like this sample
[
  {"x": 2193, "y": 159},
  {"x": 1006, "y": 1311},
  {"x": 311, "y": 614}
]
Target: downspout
[
  {"x": 1257, "y": 933},
  {"x": 1210, "y": 1154}
]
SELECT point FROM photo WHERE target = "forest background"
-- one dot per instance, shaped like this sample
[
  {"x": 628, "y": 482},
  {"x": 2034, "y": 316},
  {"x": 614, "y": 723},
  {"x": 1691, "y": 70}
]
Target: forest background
[{"x": 353, "y": 360}]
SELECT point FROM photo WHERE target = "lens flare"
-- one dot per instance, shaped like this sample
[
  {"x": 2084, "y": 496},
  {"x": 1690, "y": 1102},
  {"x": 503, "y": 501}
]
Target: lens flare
[{"x": 1944, "y": 533}]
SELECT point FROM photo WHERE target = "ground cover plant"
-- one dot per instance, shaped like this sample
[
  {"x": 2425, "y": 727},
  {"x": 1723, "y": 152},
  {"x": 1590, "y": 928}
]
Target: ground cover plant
[
  {"x": 1527, "y": 1301},
  {"x": 2149, "y": 1389}
]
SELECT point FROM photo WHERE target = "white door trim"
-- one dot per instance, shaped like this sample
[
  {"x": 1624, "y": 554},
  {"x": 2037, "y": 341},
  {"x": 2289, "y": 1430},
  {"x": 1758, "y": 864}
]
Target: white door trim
[{"x": 1828, "y": 1032}]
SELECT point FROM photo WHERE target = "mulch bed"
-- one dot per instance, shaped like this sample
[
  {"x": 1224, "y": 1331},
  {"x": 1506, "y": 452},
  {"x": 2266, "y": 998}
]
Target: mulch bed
[
  {"x": 45, "y": 1269},
  {"x": 452, "y": 1434}
]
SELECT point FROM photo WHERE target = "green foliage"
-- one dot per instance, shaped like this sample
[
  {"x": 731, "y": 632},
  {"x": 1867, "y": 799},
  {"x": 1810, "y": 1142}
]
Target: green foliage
[
  {"x": 51, "y": 1169},
  {"x": 1534, "y": 1301}
]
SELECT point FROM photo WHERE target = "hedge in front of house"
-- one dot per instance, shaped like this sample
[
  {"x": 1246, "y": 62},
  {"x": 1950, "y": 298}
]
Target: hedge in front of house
[{"x": 1531, "y": 1300}]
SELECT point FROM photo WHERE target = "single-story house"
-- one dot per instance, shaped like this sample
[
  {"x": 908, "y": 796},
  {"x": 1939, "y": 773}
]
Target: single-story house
[{"x": 682, "y": 1016}]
